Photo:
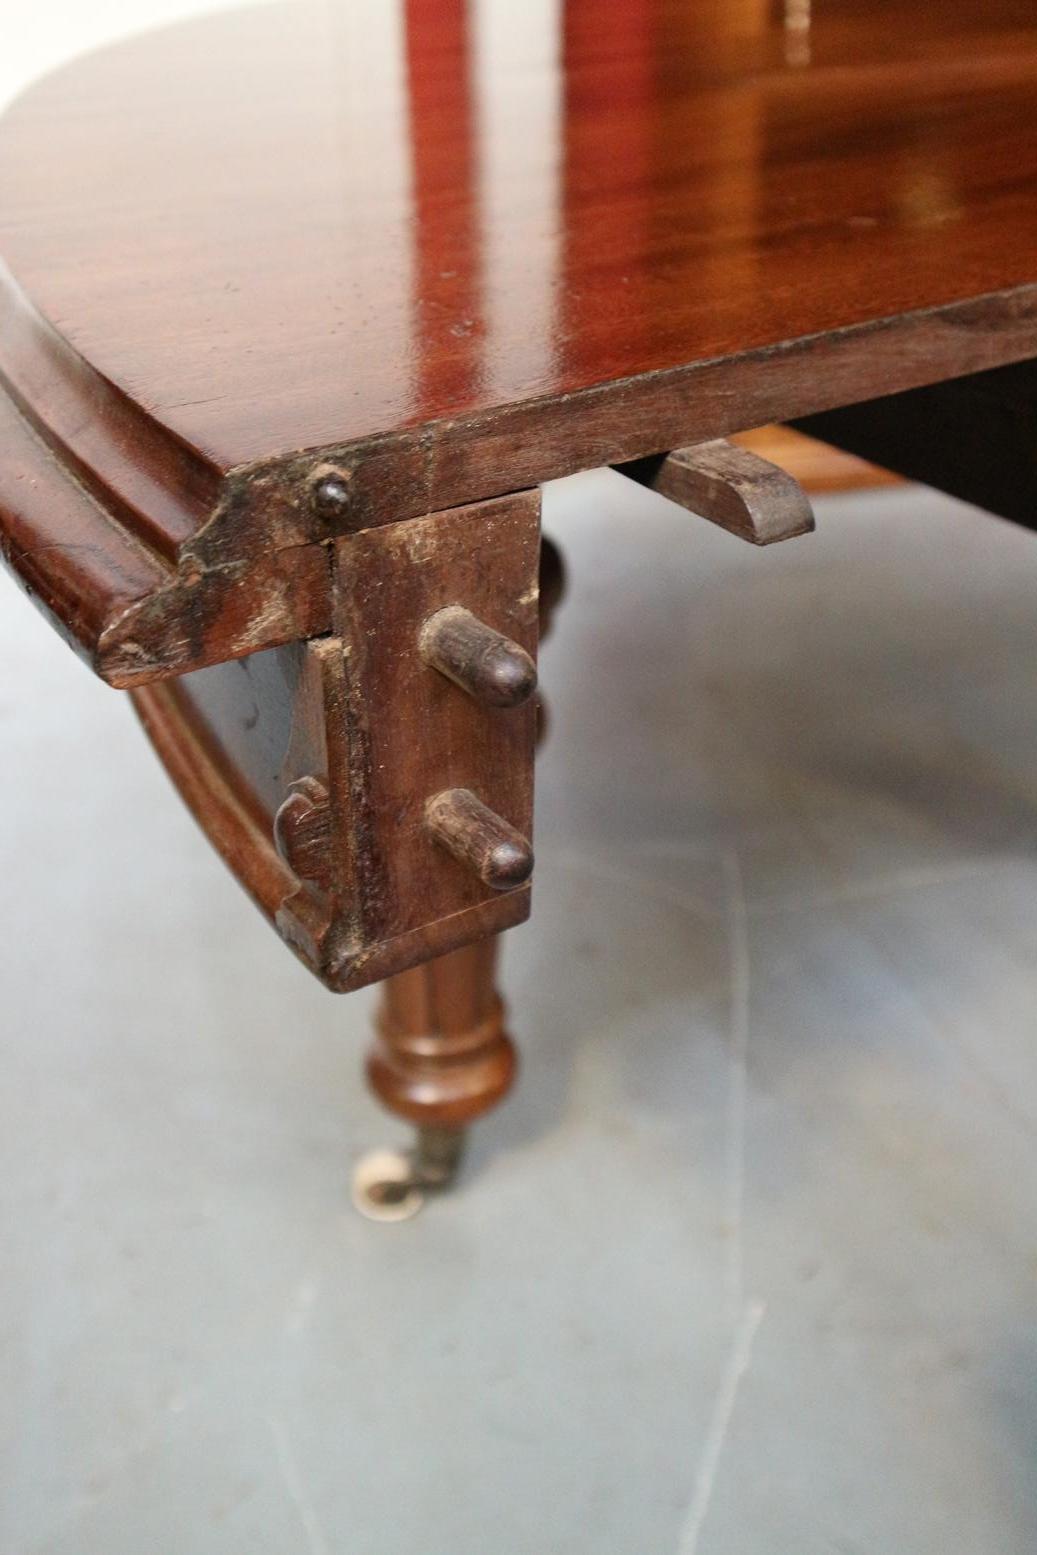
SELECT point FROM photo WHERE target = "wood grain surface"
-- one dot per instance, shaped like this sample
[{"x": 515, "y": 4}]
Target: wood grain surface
[
  {"x": 305, "y": 224},
  {"x": 463, "y": 248}
]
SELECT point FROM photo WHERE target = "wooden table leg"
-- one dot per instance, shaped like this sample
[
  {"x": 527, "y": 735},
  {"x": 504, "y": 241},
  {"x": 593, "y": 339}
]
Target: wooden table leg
[{"x": 441, "y": 1056}]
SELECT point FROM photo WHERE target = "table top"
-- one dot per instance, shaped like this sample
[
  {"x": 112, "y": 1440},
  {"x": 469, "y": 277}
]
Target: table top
[
  {"x": 467, "y": 246},
  {"x": 304, "y": 224}
]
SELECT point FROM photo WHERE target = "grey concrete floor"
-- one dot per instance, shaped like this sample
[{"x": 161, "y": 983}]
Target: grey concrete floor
[{"x": 749, "y": 1262}]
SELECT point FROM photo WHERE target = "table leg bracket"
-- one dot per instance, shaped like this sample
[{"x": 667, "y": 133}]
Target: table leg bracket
[{"x": 431, "y": 730}]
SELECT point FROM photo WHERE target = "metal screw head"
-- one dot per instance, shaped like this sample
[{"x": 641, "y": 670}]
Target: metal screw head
[{"x": 331, "y": 495}]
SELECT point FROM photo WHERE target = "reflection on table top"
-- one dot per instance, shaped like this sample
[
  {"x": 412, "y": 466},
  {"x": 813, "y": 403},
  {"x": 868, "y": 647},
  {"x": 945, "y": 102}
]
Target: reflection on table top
[{"x": 306, "y": 223}]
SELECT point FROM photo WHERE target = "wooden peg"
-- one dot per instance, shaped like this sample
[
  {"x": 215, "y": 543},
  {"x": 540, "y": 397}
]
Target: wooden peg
[
  {"x": 744, "y": 494},
  {"x": 489, "y": 666},
  {"x": 495, "y": 851}
]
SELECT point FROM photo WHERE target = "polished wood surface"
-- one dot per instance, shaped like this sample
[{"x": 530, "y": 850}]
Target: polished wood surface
[
  {"x": 458, "y": 249},
  {"x": 441, "y": 1054},
  {"x": 307, "y": 224}
]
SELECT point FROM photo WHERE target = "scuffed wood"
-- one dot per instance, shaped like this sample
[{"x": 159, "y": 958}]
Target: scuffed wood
[
  {"x": 206, "y": 615},
  {"x": 412, "y": 733},
  {"x": 133, "y": 613},
  {"x": 309, "y": 766}
]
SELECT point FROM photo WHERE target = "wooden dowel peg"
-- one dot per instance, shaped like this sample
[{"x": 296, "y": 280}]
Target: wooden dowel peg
[
  {"x": 489, "y": 666},
  {"x": 732, "y": 487},
  {"x": 495, "y": 851}
]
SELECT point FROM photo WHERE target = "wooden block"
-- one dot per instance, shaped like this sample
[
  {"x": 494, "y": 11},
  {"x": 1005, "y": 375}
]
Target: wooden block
[
  {"x": 412, "y": 733},
  {"x": 732, "y": 487}
]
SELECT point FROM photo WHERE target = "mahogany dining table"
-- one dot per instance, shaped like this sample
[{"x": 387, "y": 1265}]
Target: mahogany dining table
[{"x": 302, "y": 304}]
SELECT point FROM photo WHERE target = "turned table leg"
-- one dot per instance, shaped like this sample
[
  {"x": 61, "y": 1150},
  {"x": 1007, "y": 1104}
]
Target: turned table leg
[{"x": 441, "y": 1056}]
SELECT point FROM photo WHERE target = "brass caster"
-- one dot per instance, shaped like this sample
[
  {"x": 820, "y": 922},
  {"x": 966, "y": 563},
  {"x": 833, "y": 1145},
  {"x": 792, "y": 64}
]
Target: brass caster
[{"x": 394, "y": 1184}]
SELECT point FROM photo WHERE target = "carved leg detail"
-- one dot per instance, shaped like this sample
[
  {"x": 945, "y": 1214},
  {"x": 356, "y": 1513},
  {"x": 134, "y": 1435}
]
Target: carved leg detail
[{"x": 441, "y": 1058}]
